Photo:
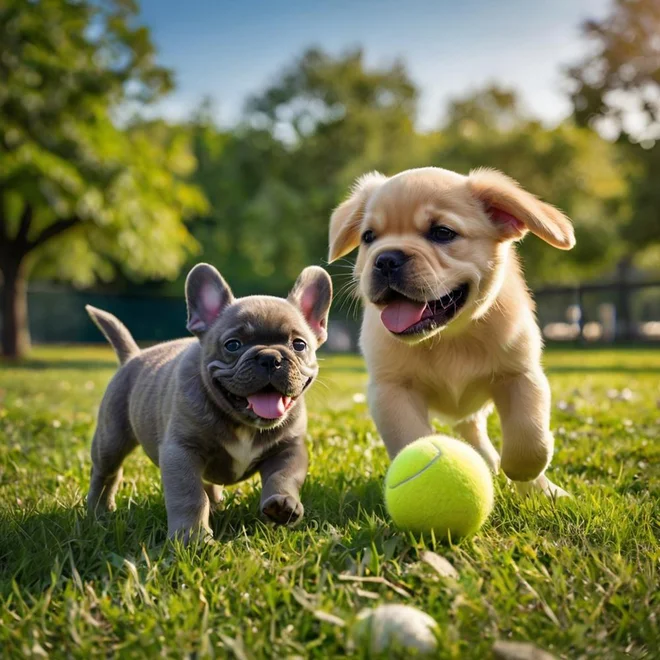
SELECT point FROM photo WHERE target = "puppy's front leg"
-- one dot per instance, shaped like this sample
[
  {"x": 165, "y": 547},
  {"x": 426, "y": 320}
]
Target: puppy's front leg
[
  {"x": 282, "y": 476},
  {"x": 401, "y": 415},
  {"x": 185, "y": 497},
  {"x": 523, "y": 404}
]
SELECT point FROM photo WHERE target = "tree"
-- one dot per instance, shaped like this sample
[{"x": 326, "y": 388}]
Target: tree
[
  {"x": 570, "y": 167},
  {"x": 273, "y": 180},
  {"x": 243, "y": 230},
  {"x": 80, "y": 196},
  {"x": 335, "y": 118},
  {"x": 619, "y": 79},
  {"x": 616, "y": 88}
]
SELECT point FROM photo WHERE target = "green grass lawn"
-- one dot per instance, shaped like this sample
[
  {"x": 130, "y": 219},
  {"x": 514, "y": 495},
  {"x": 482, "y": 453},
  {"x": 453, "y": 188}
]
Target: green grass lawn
[{"x": 579, "y": 578}]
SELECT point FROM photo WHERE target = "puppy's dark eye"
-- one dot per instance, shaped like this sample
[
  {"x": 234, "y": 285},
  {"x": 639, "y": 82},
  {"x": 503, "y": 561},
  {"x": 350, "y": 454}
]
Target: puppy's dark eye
[
  {"x": 441, "y": 234},
  {"x": 233, "y": 345},
  {"x": 299, "y": 345},
  {"x": 368, "y": 237}
]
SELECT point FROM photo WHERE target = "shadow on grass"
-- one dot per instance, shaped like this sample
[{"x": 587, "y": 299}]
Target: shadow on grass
[
  {"x": 340, "y": 500},
  {"x": 66, "y": 543}
]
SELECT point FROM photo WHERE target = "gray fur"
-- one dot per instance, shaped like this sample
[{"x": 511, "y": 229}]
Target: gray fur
[
  {"x": 115, "y": 332},
  {"x": 174, "y": 400}
]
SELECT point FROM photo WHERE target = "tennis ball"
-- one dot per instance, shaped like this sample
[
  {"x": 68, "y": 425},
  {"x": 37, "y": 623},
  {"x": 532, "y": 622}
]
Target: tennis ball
[{"x": 439, "y": 484}]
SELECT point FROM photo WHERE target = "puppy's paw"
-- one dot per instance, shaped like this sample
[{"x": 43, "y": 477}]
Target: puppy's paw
[
  {"x": 100, "y": 509},
  {"x": 554, "y": 491},
  {"x": 283, "y": 509},
  {"x": 198, "y": 537},
  {"x": 541, "y": 485}
]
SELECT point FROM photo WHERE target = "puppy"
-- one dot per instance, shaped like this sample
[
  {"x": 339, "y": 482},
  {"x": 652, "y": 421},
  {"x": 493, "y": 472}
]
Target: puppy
[
  {"x": 216, "y": 408},
  {"x": 449, "y": 324}
]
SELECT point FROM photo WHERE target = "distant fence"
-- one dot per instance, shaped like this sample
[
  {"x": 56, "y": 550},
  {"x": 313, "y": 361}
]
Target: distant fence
[
  {"x": 57, "y": 315},
  {"x": 606, "y": 313},
  {"x": 588, "y": 313}
]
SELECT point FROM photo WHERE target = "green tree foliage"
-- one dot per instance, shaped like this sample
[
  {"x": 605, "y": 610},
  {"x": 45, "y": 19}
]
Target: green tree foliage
[
  {"x": 84, "y": 196},
  {"x": 340, "y": 119},
  {"x": 274, "y": 180},
  {"x": 620, "y": 77},
  {"x": 617, "y": 87},
  {"x": 80, "y": 196}
]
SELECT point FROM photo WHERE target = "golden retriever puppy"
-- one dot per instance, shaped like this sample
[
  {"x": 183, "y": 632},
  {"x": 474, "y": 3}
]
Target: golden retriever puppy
[{"x": 449, "y": 324}]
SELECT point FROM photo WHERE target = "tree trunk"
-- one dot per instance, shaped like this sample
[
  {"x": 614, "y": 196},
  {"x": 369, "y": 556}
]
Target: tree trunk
[{"x": 13, "y": 309}]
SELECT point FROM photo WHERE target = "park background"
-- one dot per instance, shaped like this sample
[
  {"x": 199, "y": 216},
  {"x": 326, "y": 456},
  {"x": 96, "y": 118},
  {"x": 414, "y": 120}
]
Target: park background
[
  {"x": 138, "y": 140},
  {"x": 113, "y": 183}
]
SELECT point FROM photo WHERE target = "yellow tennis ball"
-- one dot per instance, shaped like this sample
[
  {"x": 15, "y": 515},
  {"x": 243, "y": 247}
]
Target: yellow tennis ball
[{"x": 439, "y": 484}]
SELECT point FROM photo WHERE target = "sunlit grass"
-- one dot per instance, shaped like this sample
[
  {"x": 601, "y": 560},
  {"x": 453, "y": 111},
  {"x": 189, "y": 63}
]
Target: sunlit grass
[{"x": 579, "y": 579}]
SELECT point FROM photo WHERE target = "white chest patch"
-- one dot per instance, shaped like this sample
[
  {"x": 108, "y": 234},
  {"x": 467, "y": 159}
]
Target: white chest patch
[{"x": 243, "y": 451}]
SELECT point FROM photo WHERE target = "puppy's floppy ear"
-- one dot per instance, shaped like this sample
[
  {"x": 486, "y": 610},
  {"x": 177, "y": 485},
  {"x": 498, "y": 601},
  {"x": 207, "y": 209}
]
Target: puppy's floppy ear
[
  {"x": 346, "y": 218},
  {"x": 207, "y": 294},
  {"x": 515, "y": 211},
  {"x": 312, "y": 295}
]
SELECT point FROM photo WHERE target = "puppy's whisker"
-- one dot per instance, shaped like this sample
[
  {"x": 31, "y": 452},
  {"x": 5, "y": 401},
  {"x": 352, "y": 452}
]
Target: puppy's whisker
[
  {"x": 350, "y": 286},
  {"x": 347, "y": 294},
  {"x": 355, "y": 304},
  {"x": 428, "y": 287},
  {"x": 349, "y": 275},
  {"x": 347, "y": 298},
  {"x": 322, "y": 383}
]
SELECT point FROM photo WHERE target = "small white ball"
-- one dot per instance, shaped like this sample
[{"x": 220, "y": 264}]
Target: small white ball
[{"x": 402, "y": 626}]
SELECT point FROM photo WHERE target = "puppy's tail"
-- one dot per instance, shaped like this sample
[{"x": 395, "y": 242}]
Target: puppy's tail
[{"x": 115, "y": 332}]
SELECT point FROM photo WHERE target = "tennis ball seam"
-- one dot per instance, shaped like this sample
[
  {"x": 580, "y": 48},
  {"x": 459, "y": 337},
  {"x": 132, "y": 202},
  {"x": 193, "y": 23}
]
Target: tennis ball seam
[{"x": 414, "y": 476}]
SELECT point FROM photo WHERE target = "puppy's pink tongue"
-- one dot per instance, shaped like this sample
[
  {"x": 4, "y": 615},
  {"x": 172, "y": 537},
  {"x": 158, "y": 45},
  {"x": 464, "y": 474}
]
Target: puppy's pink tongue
[
  {"x": 270, "y": 405},
  {"x": 400, "y": 315}
]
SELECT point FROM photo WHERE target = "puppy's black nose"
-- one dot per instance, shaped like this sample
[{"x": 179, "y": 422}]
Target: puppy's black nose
[
  {"x": 269, "y": 360},
  {"x": 390, "y": 261}
]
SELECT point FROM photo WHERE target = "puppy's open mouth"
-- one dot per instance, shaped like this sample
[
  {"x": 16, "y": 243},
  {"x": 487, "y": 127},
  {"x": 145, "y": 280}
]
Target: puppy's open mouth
[
  {"x": 403, "y": 316},
  {"x": 267, "y": 403}
]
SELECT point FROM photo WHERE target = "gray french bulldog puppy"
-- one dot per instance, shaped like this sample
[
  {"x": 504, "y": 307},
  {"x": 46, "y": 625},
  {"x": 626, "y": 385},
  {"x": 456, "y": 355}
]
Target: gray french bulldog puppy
[{"x": 216, "y": 408}]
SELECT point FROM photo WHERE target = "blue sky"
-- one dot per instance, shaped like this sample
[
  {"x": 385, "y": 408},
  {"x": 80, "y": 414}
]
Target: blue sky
[{"x": 230, "y": 49}]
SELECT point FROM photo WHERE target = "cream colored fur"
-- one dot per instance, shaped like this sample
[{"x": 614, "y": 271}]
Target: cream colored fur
[{"x": 490, "y": 352}]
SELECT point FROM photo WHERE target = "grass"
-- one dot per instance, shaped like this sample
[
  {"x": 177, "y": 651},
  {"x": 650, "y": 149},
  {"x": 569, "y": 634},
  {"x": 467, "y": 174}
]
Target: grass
[{"x": 578, "y": 578}]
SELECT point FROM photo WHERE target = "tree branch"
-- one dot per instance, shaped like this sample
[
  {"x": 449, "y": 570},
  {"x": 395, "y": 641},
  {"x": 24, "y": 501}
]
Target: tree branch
[
  {"x": 53, "y": 230},
  {"x": 24, "y": 227}
]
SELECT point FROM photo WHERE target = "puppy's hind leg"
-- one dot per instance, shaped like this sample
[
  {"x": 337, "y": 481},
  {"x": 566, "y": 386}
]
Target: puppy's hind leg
[
  {"x": 110, "y": 447},
  {"x": 475, "y": 432}
]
